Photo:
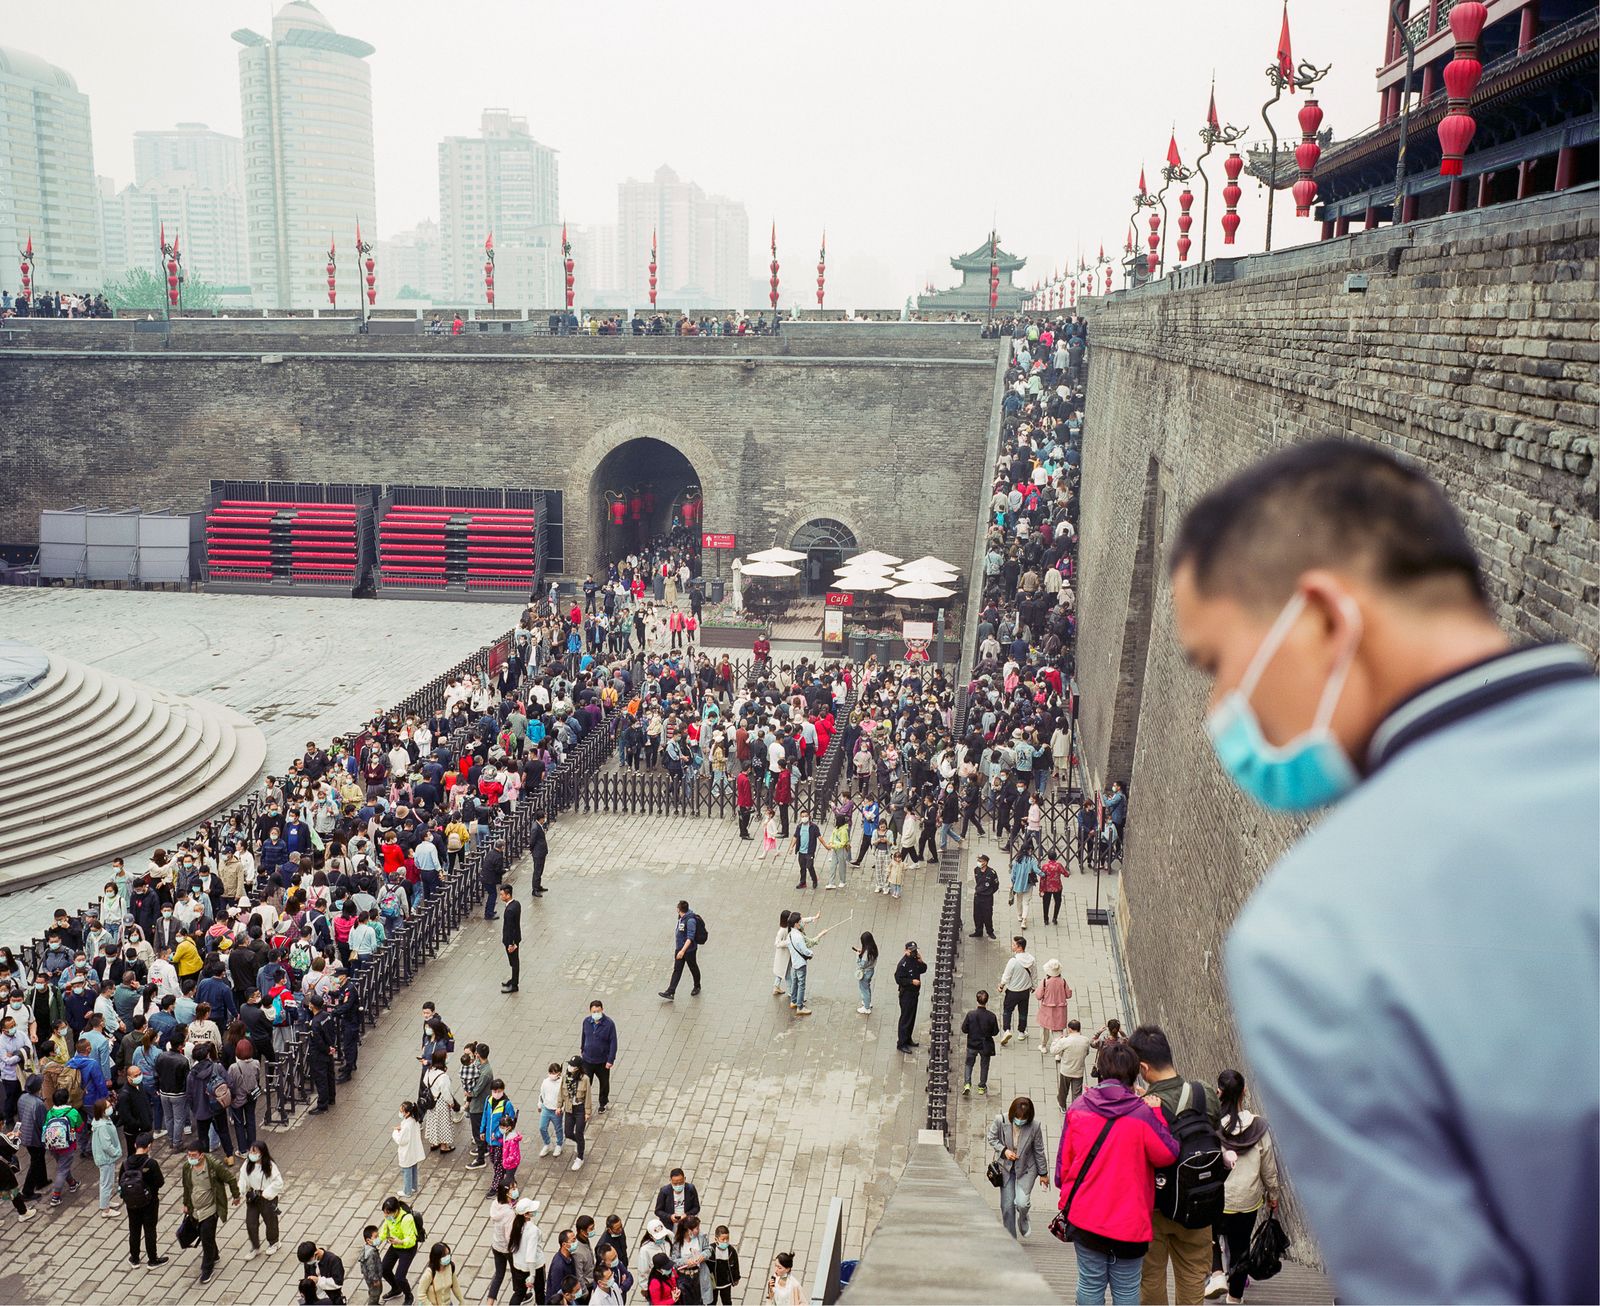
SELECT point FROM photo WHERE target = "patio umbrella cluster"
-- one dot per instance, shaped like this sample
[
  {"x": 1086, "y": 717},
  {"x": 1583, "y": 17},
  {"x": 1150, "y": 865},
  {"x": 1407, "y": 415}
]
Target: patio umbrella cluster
[{"x": 925, "y": 578}]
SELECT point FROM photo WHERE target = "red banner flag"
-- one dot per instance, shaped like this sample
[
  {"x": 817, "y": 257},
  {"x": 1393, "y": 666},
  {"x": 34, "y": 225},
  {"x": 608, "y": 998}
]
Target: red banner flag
[
  {"x": 1285, "y": 55},
  {"x": 1174, "y": 159}
]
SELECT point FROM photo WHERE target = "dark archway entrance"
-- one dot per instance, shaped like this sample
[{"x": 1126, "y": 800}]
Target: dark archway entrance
[
  {"x": 826, "y": 543},
  {"x": 642, "y": 490}
]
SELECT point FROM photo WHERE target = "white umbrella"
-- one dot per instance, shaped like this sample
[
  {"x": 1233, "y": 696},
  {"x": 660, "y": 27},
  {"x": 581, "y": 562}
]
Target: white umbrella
[
  {"x": 863, "y": 581},
  {"x": 939, "y": 574},
  {"x": 920, "y": 589},
  {"x": 853, "y": 569},
  {"x": 776, "y": 554},
  {"x": 927, "y": 560},
  {"x": 875, "y": 558},
  {"x": 770, "y": 569}
]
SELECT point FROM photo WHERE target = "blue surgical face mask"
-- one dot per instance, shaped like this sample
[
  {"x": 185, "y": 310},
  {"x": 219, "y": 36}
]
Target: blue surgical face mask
[
  {"x": 1308, "y": 772},
  {"x": 1018, "y": 1123}
]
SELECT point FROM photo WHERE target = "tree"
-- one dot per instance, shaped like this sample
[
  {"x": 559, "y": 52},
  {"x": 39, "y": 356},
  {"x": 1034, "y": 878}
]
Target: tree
[{"x": 141, "y": 288}]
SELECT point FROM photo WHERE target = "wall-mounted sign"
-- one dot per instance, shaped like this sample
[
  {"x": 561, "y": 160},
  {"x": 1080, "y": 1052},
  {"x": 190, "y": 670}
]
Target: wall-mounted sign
[
  {"x": 840, "y": 599},
  {"x": 717, "y": 540},
  {"x": 917, "y": 630}
]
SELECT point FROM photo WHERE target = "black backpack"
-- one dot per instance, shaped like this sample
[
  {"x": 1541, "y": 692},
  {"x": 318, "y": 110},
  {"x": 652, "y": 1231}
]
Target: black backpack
[
  {"x": 416, "y": 1216},
  {"x": 701, "y": 934},
  {"x": 131, "y": 1186},
  {"x": 1190, "y": 1191}
]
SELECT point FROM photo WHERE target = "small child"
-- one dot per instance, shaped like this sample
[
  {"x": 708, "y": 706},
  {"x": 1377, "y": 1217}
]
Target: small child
[
  {"x": 371, "y": 1264},
  {"x": 724, "y": 1263},
  {"x": 407, "y": 1136},
  {"x": 896, "y": 872},
  {"x": 880, "y": 858},
  {"x": 769, "y": 834},
  {"x": 550, "y": 1112}
]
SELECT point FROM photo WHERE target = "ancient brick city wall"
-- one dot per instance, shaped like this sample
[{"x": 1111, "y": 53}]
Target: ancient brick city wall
[
  {"x": 890, "y": 444},
  {"x": 1472, "y": 351}
]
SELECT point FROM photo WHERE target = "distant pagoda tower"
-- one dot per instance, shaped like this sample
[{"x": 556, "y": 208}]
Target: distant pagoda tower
[{"x": 972, "y": 295}]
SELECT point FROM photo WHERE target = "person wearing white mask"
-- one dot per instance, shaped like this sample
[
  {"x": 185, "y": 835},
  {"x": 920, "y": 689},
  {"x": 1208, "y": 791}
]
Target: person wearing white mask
[
  {"x": 1336, "y": 602},
  {"x": 527, "y": 1255}
]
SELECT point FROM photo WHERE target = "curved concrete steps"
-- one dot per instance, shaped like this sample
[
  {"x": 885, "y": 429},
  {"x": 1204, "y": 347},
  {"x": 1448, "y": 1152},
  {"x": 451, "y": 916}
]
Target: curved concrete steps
[{"x": 95, "y": 765}]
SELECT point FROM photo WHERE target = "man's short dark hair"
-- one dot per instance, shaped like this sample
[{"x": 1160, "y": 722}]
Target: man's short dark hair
[
  {"x": 983, "y": 997},
  {"x": 1150, "y": 1044},
  {"x": 1324, "y": 504},
  {"x": 1117, "y": 1061}
]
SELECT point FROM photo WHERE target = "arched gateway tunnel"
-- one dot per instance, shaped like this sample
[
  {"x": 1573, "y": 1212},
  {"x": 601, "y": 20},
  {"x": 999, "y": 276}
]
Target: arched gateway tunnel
[{"x": 829, "y": 440}]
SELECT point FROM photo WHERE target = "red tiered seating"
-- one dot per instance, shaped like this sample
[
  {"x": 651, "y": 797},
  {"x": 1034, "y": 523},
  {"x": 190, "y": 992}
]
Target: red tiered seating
[
  {"x": 259, "y": 540},
  {"x": 500, "y": 548}
]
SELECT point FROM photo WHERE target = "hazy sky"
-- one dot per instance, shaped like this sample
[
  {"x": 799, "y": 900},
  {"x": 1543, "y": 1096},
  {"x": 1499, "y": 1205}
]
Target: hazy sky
[{"x": 905, "y": 128}]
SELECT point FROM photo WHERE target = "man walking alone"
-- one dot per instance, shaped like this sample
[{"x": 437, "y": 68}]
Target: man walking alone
[{"x": 511, "y": 936}]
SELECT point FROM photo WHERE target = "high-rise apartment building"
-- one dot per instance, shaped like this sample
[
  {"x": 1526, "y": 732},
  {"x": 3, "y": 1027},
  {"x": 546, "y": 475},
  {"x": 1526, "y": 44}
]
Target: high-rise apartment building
[
  {"x": 190, "y": 183},
  {"x": 306, "y": 96},
  {"x": 702, "y": 243},
  {"x": 501, "y": 181},
  {"x": 410, "y": 264},
  {"x": 47, "y": 182}
]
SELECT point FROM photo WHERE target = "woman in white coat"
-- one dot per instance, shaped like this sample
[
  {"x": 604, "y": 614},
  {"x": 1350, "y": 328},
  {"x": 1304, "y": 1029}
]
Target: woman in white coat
[{"x": 527, "y": 1254}]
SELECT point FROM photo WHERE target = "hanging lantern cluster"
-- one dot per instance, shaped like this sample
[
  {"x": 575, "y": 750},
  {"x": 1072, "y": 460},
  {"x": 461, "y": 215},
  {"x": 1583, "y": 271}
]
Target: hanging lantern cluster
[
  {"x": 1306, "y": 155},
  {"x": 616, "y": 507},
  {"x": 1233, "y": 166},
  {"x": 1185, "y": 221},
  {"x": 333, "y": 266},
  {"x": 364, "y": 250},
  {"x": 1153, "y": 260},
  {"x": 1461, "y": 75},
  {"x": 994, "y": 270},
  {"x": 822, "y": 270},
  {"x": 772, "y": 269},
  {"x": 566, "y": 261},
  {"x": 652, "y": 269},
  {"x": 488, "y": 269},
  {"x": 1108, "y": 279},
  {"x": 26, "y": 266},
  {"x": 692, "y": 507}
]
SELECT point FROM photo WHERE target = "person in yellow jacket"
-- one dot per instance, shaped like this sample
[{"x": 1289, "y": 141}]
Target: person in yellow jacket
[
  {"x": 398, "y": 1237},
  {"x": 186, "y": 957},
  {"x": 440, "y": 1284}
]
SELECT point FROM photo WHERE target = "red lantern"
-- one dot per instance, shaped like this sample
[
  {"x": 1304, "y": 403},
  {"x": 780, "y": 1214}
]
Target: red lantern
[
  {"x": 1306, "y": 155},
  {"x": 1233, "y": 165},
  {"x": 649, "y": 499},
  {"x": 1461, "y": 75},
  {"x": 488, "y": 269},
  {"x": 1185, "y": 221},
  {"x": 772, "y": 269},
  {"x": 333, "y": 294},
  {"x": 1108, "y": 281},
  {"x": 1183, "y": 248},
  {"x": 636, "y": 506},
  {"x": 617, "y": 512},
  {"x": 566, "y": 256},
  {"x": 652, "y": 269},
  {"x": 822, "y": 270}
]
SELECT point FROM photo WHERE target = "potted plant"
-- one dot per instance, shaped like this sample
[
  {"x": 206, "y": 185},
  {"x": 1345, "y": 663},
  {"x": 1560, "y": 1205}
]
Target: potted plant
[{"x": 731, "y": 632}]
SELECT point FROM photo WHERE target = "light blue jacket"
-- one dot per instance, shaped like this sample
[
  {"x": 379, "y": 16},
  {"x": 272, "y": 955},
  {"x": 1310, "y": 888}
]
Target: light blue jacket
[{"x": 1417, "y": 987}]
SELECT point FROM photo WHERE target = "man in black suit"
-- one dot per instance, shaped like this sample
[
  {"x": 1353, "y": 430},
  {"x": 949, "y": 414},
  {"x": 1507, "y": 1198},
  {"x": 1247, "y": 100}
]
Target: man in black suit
[
  {"x": 538, "y": 849},
  {"x": 676, "y": 1201},
  {"x": 511, "y": 936},
  {"x": 493, "y": 870}
]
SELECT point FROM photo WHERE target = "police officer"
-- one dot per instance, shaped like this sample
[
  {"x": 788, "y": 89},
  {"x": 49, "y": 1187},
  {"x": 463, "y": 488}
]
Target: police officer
[
  {"x": 986, "y": 883},
  {"x": 346, "y": 1009},
  {"x": 908, "y": 979},
  {"x": 320, "y": 1050}
]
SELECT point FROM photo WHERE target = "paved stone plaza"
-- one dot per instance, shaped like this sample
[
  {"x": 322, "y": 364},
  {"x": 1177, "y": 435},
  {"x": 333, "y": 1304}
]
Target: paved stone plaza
[
  {"x": 771, "y": 1115},
  {"x": 301, "y": 668}
]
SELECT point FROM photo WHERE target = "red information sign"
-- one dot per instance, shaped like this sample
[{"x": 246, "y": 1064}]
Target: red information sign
[
  {"x": 717, "y": 540},
  {"x": 840, "y": 599}
]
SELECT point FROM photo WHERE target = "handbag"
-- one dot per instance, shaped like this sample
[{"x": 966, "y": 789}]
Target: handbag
[
  {"x": 1061, "y": 1225},
  {"x": 996, "y": 1173},
  {"x": 188, "y": 1231}
]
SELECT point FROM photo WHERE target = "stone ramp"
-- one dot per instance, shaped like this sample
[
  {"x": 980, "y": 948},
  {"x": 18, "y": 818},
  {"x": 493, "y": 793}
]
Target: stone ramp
[{"x": 92, "y": 765}]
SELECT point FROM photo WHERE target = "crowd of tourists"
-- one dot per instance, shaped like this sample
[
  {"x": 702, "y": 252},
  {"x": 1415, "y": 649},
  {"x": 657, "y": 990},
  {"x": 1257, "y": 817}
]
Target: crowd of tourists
[{"x": 58, "y": 303}]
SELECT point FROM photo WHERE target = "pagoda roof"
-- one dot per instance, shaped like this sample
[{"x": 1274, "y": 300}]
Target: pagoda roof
[{"x": 979, "y": 259}]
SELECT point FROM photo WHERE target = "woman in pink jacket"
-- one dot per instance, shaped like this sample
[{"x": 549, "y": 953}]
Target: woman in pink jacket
[
  {"x": 1052, "y": 995},
  {"x": 1112, "y": 1144}
]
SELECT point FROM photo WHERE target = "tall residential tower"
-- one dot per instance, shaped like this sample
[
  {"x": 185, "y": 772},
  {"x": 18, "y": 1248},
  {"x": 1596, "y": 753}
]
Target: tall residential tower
[{"x": 306, "y": 96}]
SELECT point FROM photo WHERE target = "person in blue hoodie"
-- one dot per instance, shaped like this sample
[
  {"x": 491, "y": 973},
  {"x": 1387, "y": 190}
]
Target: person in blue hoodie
[{"x": 598, "y": 1047}]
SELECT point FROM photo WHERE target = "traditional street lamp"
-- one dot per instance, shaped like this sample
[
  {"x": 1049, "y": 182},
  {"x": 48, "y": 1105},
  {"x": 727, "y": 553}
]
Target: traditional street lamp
[
  {"x": 1461, "y": 75},
  {"x": 772, "y": 282},
  {"x": 994, "y": 274},
  {"x": 1144, "y": 200},
  {"x": 364, "y": 251},
  {"x": 488, "y": 269},
  {"x": 1284, "y": 75},
  {"x": 1175, "y": 171},
  {"x": 566, "y": 262},
  {"x": 1212, "y": 135},
  {"x": 1104, "y": 262},
  {"x": 26, "y": 266},
  {"x": 652, "y": 270},
  {"x": 822, "y": 269},
  {"x": 333, "y": 265}
]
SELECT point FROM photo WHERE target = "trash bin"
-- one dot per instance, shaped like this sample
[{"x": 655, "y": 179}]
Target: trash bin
[
  {"x": 858, "y": 648},
  {"x": 715, "y": 587},
  {"x": 660, "y": 584}
]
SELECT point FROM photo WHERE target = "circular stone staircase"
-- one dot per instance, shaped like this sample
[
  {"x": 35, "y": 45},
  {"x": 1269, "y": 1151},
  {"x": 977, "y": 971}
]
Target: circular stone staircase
[{"x": 92, "y": 766}]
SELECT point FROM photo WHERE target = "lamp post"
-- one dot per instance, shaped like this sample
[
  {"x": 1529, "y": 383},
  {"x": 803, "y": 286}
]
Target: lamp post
[
  {"x": 364, "y": 251},
  {"x": 1143, "y": 200},
  {"x": 488, "y": 269},
  {"x": 1283, "y": 75},
  {"x": 25, "y": 254},
  {"x": 333, "y": 268},
  {"x": 1104, "y": 262},
  {"x": 772, "y": 282},
  {"x": 1399, "y": 8},
  {"x": 566, "y": 264},
  {"x": 994, "y": 276},
  {"x": 652, "y": 270},
  {"x": 1212, "y": 134},
  {"x": 822, "y": 269},
  {"x": 1461, "y": 75},
  {"x": 1174, "y": 171}
]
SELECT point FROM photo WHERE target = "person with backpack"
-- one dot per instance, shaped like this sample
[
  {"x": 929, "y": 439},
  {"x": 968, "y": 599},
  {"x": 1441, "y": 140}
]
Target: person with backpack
[
  {"x": 689, "y": 933},
  {"x": 209, "y": 1095},
  {"x": 399, "y": 1235},
  {"x": 139, "y": 1185},
  {"x": 60, "y": 1137},
  {"x": 1189, "y": 1192},
  {"x": 1111, "y": 1145},
  {"x": 207, "y": 1184},
  {"x": 1251, "y": 1184}
]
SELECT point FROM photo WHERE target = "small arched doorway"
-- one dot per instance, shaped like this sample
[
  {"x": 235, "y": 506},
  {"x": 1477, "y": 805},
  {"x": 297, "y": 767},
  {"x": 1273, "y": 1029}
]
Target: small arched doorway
[
  {"x": 642, "y": 491},
  {"x": 826, "y": 543}
]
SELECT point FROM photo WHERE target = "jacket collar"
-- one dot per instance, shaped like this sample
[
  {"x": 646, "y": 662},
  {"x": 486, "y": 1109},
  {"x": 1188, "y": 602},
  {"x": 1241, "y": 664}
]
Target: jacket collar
[{"x": 1471, "y": 690}]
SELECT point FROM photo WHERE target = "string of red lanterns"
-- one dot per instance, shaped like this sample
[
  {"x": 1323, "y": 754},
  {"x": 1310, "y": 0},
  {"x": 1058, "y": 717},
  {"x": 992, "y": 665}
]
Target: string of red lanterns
[
  {"x": 1233, "y": 166},
  {"x": 1306, "y": 155},
  {"x": 652, "y": 269},
  {"x": 822, "y": 269},
  {"x": 488, "y": 269},
  {"x": 1461, "y": 74},
  {"x": 772, "y": 269},
  {"x": 333, "y": 264},
  {"x": 364, "y": 250},
  {"x": 26, "y": 266},
  {"x": 994, "y": 271},
  {"x": 566, "y": 259}
]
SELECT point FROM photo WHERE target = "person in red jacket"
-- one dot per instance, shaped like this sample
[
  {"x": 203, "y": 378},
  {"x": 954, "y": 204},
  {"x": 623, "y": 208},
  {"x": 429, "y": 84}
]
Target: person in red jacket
[
  {"x": 744, "y": 798},
  {"x": 783, "y": 795},
  {"x": 1112, "y": 1144}
]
